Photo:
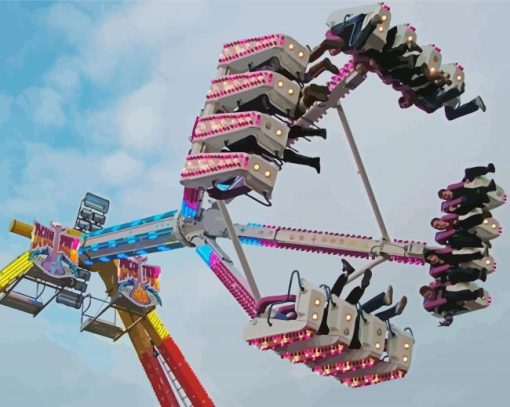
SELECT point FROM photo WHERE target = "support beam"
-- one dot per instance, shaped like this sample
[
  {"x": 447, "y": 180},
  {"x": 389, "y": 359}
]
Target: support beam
[
  {"x": 239, "y": 250},
  {"x": 358, "y": 273},
  {"x": 362, "y": 172}
]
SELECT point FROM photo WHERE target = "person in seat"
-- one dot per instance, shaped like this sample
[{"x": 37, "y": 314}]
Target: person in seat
[
  {"x": 452, "y": 301},
  {"x": 435, "y": 258}
]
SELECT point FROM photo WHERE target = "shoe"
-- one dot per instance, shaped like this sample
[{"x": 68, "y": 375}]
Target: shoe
[
  {"x": 480, "y": 104},
  {"x": 483, "y": 275},
  {"x": 310, "y": 132},
  {"x": 316, "y": 163},
  {"x": 492, "y": 186},
  {"x": 316, "y": 92},
  {"x": 401, "y": 305},
  {"x": 329, "y": 66},
  {"x": 365, "y": 282},
  {"x": 346, "y": 266},
  {"x": 388, "y": 296},
  {"x": 491, "y": 168},
  {"x": 480, "y": 293}
]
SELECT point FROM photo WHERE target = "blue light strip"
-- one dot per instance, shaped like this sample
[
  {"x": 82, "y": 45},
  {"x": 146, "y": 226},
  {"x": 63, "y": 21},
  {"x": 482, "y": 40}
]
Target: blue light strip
[
  {"x": 252, "y": 241},
  {"x": 127, "y": 240},
  {"x": 187, "y": 211},
  {"x": 131, "y": 253},
  {"x": 131, "y": 224},
  {"x": 205, "y": 252}
]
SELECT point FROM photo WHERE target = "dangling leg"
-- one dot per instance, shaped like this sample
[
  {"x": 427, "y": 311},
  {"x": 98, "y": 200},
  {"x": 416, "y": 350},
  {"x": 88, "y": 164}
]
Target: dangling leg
[
  {"x": 384, "y": 298},
  {"x": 292, "y": 157},
  {"x": 393, "y": 311},
  {"x": 317, "y": 69},
  {"x": 453, "y": 113},
  {"x": 298, "y": 131},
  {"x": 325, "y": 45},
  {"x": 247, "y": 145},
  {"x": 461, "y": 240},
  {"x": 357, "y": 292},
  {"x": 313, "y": 93},
  {"x": 474, "y": 172},
  {"x": 466, "y": 275}
]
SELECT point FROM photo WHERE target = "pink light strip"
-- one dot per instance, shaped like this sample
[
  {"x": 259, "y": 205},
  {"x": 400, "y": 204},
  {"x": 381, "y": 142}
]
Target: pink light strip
[
  {"x": 233, "y": 285},
  {"x": 367, "y": 380},
  {"x": 251, "y": 46},
  {"x": 241, "y": 82},
  {"x": 226, "y": 123}
]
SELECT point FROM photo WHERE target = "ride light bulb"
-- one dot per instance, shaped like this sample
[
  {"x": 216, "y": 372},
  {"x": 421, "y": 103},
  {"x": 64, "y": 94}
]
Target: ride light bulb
[
  {"x": 301, "y": 54},
  {"x": 459, "y": 77},
  {"x": 381, "y": 29},
  {"x": 432, "y": 70},
  {"x": 405, "y": 359},
  {"x": 291, "y": 46},
  {"x": 256, "y": 167},
  {"x": 280, "y": 84},
  {"x": 485, "y": 221},
  {"x": 317, "y": 302},
  {"x": 410, "y": 38},
  {"x": 278, "y": 132},
  {"x": 315, "y": 316},
  {"x": 493, "y": 226},
  {"x": 348, "y": 317},
  {"x": 291, "y": 91},
  {"x": 267, "y": 174},
  {"x": 406, "y": 346},
  {"x": 487, "y": 262},
  {"x": 377, "y": 345},
  {"x": 384, "y": 17}
]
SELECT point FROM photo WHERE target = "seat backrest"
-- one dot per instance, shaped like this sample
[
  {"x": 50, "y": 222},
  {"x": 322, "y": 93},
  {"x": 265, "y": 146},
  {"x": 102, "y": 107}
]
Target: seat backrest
[
  {"x": 406, "y": 33},
  {"x": 456, "y": 73},
  {"x": 227, "y": 92},
  {"x": 217, "y": 130},
  {"x": 264, "y": 302},
  {"x": 446, "y": 204},
  {"x": 372, "y": 334},
  {"x": 239, "y": 56},
  {"x": 437, "y": 272},
  {"x": 431, "y": 56},
  {"x": 341, "y": 319},
  {"x": 431, "y": 305},
  {"x": 400, "y": 348},
  {"x": 444, "y": 235},
  {"x": 205, "y": 170},
  {"x": 310, "y": 304}
]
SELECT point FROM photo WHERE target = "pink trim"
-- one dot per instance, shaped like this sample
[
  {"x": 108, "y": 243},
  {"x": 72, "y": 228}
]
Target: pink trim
[
  {"x": 226, "y": 123},
  {"x": 233, "y": 285},
  {"x": 251, "y": 46}
]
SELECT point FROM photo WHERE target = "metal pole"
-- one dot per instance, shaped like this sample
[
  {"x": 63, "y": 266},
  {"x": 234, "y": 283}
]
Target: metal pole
[
  {"x": 378, "y": 260},
  {"x": 239, "y": 250},
  {"x": 362, "y": 172}
]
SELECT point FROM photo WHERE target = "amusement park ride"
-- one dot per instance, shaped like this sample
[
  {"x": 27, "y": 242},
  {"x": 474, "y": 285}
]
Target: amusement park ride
[{"x": 261, "y": 94}]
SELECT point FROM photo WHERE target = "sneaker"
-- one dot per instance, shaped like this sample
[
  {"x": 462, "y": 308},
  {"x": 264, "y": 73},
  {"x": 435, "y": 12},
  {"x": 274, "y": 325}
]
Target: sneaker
[
  {"x": 316, "y": 163},
  {"x": 365, "y": 282},
  {"x": 330, "y": 66},
  {"x": 483, "y": 275},
  {"x": 480, "y": 293},
  {"x": 491, "y": 168},
  {"x": 401, "y": 305},
  {"x": 480, "y": 104},
  {"x": 316, "y": 92},
  {"x": 346, "y": 266},
  {"x": 388, "y": 296},
  {"x": 492, "y": 186}
]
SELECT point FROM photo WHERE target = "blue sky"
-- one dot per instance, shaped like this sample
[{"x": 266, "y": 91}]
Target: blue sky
[{"x": 101, "y": 97}]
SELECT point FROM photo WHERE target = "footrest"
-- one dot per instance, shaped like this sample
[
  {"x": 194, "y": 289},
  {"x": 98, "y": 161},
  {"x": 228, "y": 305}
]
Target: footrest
[
  {"x": 101, "y": 327},
  {"x": 22, "y": 302}
]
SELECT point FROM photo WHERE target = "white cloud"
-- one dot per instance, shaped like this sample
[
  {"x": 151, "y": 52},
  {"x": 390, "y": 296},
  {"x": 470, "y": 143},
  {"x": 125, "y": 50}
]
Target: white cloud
[
  {"x": 120, "y": 167},
  {"x": 44, "y": 105},
  {"x": 5, "y": 107}
]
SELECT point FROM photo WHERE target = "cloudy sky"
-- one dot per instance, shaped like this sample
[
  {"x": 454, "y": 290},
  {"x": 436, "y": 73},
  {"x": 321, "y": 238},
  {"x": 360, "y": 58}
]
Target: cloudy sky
[{"x": 101, "y": 97}]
